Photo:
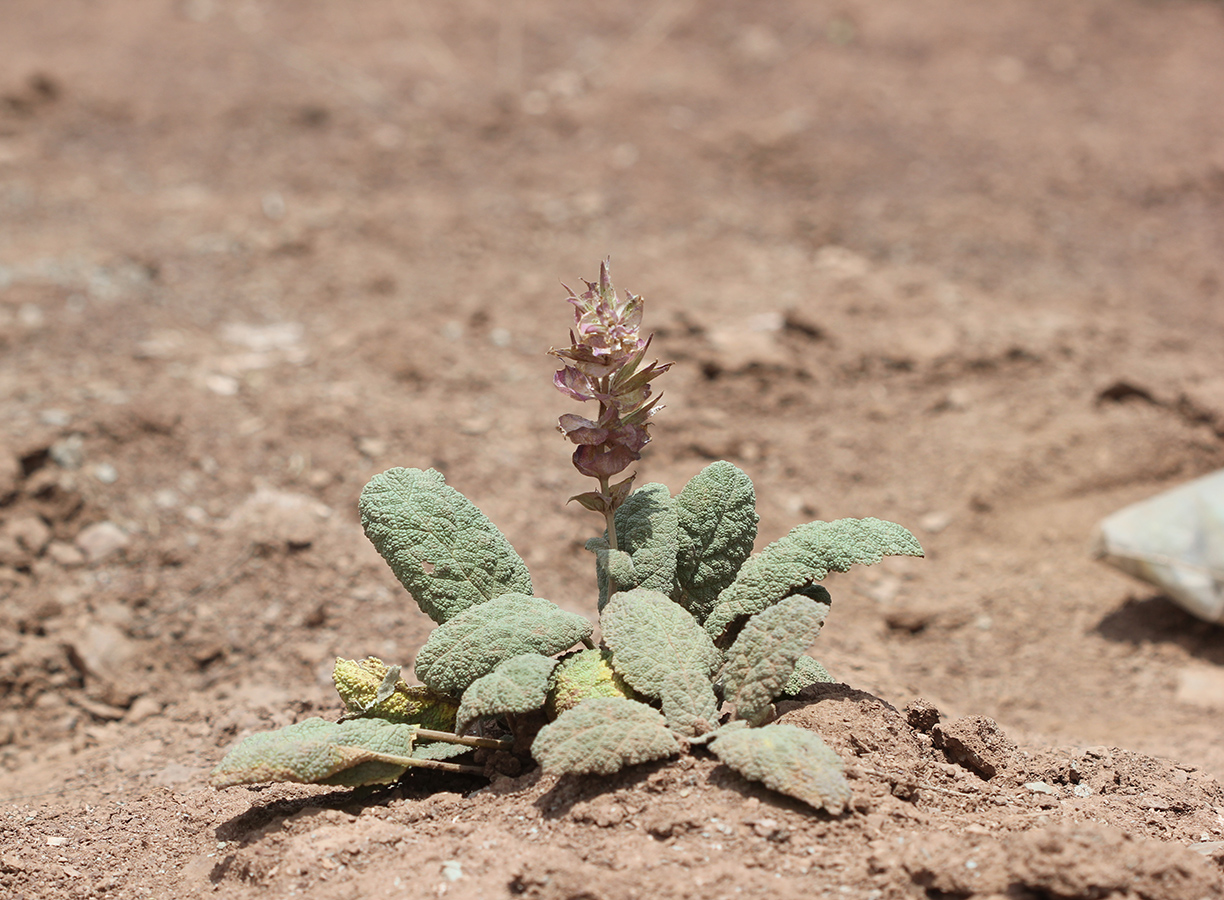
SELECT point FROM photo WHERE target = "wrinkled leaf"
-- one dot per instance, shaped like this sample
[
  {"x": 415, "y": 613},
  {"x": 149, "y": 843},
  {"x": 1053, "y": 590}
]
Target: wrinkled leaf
[
  {"x": 788, "y": 760},
  {"x": 805, "y": 555},
  {"x": 315, "y": 751},
  {"x": 763, "y": 657},
  {"x": 689, "y": 704},
  {"x": 439, "y": 750},
  {"x": 518, "y": 685},
  {"x": 602, "y": 736},
  {"x": 648, "y": 530},
  {"x": 649, "y": 636},
  {"x": 807, "y": 671},
  {"x": 581, "y": 676},
  {"x": 475, "y": 641},
  {"x": 441, "y": 547},
  {"x": 611, "y": 567},
  {"x": 358, "y": 682},
  {"x": 718, "y": 523}
]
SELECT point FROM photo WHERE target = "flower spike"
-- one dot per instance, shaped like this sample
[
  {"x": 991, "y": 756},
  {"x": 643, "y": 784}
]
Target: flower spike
[{"x": 604, "y": 363}]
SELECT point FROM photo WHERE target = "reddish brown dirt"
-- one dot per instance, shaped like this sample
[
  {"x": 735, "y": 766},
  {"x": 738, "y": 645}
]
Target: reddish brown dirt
[{"x": 956, "y": 265}]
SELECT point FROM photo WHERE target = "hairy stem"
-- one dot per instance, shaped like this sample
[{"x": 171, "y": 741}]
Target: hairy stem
[{"x": 610, "y": 524}]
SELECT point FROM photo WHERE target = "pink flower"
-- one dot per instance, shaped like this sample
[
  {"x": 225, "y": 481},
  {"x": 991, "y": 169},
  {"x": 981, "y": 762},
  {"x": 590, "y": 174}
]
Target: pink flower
[{"x": 604, "y": 363}]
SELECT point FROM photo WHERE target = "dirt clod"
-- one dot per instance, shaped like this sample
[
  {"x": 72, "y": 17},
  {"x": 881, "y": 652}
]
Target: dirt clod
[{"x": 975, "y": 742}]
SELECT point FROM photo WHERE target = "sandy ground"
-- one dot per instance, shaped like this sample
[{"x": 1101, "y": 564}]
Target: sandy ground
[{"x": 959, "y": 265}]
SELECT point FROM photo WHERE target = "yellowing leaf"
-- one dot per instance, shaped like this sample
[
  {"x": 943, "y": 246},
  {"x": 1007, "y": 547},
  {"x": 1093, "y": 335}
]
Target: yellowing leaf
[
  {"x": 315, "y": 751},
  {"x": 581, "y": 676},
  {"x": 358, "y": 683},
  {"x": 649, "y": 636},
  {"x": 718, "y": 523},
  {"x": 602, "y": 736},
  {"x": 518, "y": 685},
  {"x": 805, "y": 555},
  {"x": 475, "y": 641},
  {"x": 441, "y": 547},
  {"x": 788, "y": 760},
  {"x": 763, "y": 657}
]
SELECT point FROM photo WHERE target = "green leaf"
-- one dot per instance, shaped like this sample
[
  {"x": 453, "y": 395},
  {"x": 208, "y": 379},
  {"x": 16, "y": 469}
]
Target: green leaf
[
  {"x": 763, "y": 657},
  {"x": 518, "y": 685},
  {"x": 689, "y": 704},
  {"x": 602, "y": 736},
  {"x": 611, "y": 565},
  {"x": 315, "y": 751},
  {"x": 581, "y": 676},
  {"x": 439, "y": 750},
  {"x": 648, "y": 530},
  {"x": 474, "y": 642},
  {"x": 788, "y": 760},
  {"x": 805, "y": 555},
  {"x": 358, "y": 682},
  {"x": 718, "y": 523},
  {"x": 440, "y": 546},
  {"x": 807, "y": 671},
  {"x": 649, "y": 636}
]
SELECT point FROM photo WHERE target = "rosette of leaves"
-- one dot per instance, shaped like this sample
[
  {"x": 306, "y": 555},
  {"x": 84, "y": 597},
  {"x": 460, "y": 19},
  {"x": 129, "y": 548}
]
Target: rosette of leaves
[{"x": 700, "y": 638}]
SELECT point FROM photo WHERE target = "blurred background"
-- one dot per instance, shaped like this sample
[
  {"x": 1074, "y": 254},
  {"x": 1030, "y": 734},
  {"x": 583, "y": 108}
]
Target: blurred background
[{"x": 956, "y": 265}]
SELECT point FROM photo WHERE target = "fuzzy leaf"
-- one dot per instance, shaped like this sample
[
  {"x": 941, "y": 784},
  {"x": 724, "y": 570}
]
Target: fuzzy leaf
[
  {"x": 805, "y": 555},
  {"x": 358, "y": 683},
  {"x": 807, "y": 671},
  {"x": 315, "y": 751},
  {"x": 440, "y": 546},
  {"x": 648, "y": 530},
  {"x": 438, "y": 750},
  {"x": 763, "y": 657},
  {"x": 581, "y": 676},
  {"x": 602, "y": 736},
  {"x": 718, "y": 523},
  {"x": 474, "y": 642},
  {"x": 616, "y": 565},
  {"x": 649, "y": 636},
  {"x": 518, "y": 685},
  {"x": 788, "y": 760},
  {"x": 689, "y": 704}
]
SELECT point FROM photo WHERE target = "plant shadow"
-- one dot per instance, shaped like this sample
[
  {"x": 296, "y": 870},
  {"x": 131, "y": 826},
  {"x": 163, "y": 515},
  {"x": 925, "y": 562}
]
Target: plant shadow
[
  {"x": 1156, "y": 619},
  {"x": 261, "y": 820},
  {"x": 559, "y": 800}
]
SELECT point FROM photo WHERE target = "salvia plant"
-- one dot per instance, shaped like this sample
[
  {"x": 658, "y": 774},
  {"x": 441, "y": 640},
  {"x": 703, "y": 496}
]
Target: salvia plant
[{"x": 699, "y": 636}]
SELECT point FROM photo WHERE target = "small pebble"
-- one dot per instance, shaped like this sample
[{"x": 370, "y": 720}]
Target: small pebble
[
  {"x": 69, "y": 453},
  {"x": 65, "y": 554},
  {"x": 102, "y": 539},
  {"x": 935, "y": 522},
  {"x": 56, "y": 418}
]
